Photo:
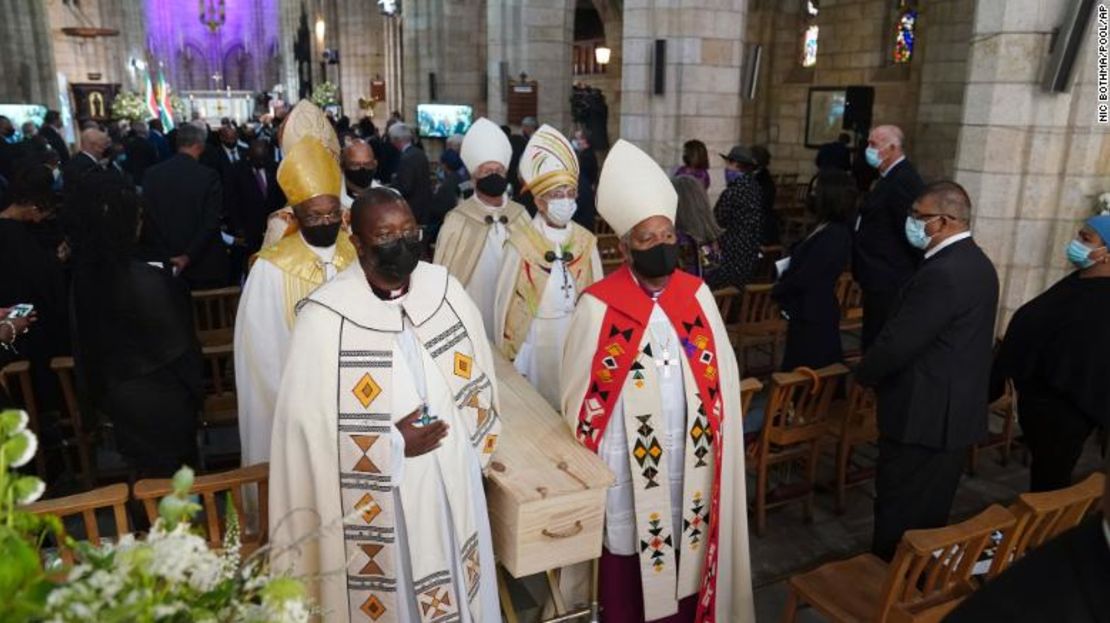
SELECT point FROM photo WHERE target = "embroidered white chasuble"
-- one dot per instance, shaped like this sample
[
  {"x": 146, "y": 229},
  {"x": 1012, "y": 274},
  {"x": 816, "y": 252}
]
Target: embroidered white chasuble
[
  {"x": 405, "y": 539},
  {"x": 659, "y": 508}
]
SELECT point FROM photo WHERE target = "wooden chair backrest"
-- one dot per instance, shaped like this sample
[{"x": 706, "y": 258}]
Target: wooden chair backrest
[
  {"x": 860, "y": 415},
  {"x": 749, "y": 387},
  {"x": 608, "y": 248},
  {"x": 759, "y": 314},
  {"x": 1043, "y": 516},
  {"x": 214, "y": 314},
  {"x": 933, "y": 567},
  {"x": 601, "y": 227},
  {"x": 85, "y": 505},
  {"x": 220, "y": 400},
  {"x": 798, "y": 407},
  {"x": 850, "y": 297},
  {"x": 211, "y": 489},
  {"x": 16, "y": 377},
  {"x": 728, "y": 303}
]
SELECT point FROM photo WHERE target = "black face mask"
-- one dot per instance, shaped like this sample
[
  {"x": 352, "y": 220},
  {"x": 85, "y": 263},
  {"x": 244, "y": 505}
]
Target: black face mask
[
  {"x": 397, "y": 259},
  {"x": 321, "y": 235},
  {"x": 658, "y": 261},
  {"x": 493, "y": 185},
  {"x": 359, "y": 177}
]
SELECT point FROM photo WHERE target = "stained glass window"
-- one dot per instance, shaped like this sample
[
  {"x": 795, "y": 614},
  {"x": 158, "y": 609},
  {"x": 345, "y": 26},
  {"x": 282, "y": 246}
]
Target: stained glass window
[
  {"x": 810, "y": 34},
  {"x": 905, "y": 37},
  {"x": 809, "y": 49}
]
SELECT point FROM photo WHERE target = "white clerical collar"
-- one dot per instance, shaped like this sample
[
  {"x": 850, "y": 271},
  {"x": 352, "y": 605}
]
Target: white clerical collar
[
  {"x": 493, "y": 209},
  {"x": 892, "y": 165},
  {"x": 947, "y": 243},
  {"x": 350, "y": 296},
  {"x": 327, "y": 254},
  {"x": 554, "y": 234}
]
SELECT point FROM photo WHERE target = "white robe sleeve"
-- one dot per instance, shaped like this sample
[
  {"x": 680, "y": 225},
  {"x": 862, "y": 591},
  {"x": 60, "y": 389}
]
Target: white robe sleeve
[
  {"x": 261, "y": 343},
  {"x": 506, "y": 283},
  {"x": 734, "y": 582},
  {"x": 447, "y": 239},
  {"x": 574, "y": 373},
  {"x": 276, "y": 226},
  {"x": 304, "y": 466}
]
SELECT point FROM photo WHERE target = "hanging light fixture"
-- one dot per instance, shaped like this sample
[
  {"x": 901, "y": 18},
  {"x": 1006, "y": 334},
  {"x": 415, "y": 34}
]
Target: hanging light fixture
[
  {"x": 601, "y": 55},
  {"x": 321, "y": 29}
]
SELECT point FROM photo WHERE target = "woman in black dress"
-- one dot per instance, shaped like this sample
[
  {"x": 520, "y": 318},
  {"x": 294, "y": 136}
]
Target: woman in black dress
[
  {"x": 806, "y": 291},
  {"x": 136, "y": 349},
  {"x": 1056, "y": 351}
]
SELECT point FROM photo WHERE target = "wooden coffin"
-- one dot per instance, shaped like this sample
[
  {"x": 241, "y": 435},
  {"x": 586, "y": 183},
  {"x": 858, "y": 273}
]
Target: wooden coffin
[{"x": 546, "y": 492}]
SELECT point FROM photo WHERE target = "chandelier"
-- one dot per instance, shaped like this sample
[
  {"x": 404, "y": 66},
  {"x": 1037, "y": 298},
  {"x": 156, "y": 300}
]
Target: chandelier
[{"x": 213, "y": 13}]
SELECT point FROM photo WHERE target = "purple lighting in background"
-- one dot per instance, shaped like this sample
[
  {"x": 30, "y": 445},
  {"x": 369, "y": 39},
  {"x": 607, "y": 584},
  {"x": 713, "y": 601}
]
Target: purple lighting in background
[{"x": 241, "y": 54}]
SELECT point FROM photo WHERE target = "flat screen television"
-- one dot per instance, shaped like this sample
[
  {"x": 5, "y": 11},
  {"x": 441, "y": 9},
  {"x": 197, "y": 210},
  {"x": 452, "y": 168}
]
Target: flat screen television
[
  {"x": 443, "y": 120},
  {"x": 22, "y": 113}
]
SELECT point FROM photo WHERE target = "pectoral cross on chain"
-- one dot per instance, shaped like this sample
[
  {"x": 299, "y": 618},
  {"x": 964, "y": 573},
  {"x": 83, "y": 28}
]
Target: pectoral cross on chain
[{"x": 666, "y": 362}]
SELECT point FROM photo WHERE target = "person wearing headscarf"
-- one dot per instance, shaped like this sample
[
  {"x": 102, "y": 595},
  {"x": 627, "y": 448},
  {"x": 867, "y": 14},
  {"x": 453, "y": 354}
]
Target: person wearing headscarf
[
  {"x": 699, "y": 252},
  {"x": 471, "y": 242},
  {"x": 545, "y": 266},
  {"x": 651, "y": 384},
  {"x": 1055, "y": 353},
  {"x": 282, "y": 275}
]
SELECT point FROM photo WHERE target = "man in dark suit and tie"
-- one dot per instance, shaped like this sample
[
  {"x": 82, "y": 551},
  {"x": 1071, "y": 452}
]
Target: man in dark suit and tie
[
  {"x": 252, "y": 193},
  {"x": 413, "y": 177},
  {"x": 94, "y": 148},
  {"x": 182, "y": 213},
  {"x": 930, "y": 366},
  {"x": 222, "y": 155},
  {"x": 883, "y": 260},
  {"x": 51, "y": 131}
]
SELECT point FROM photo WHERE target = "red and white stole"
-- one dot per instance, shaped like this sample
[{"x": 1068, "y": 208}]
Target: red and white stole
[{"x": 622, "y": 367}]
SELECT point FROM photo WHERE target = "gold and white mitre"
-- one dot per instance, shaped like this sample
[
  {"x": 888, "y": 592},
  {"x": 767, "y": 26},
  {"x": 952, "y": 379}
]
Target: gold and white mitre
[
  {"x": 485, "y": 142},
  {"x": 308, "y": 171},
  {"x": 548, "y": 162},
  {"x": 305, "y": 120}
]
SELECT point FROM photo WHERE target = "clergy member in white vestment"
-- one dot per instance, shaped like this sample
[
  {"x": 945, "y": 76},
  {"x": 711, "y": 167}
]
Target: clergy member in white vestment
[
  {"x": 386, "y": 418},
  {"x": 474, "y": 233},
  {"x": 545, "y": 266},
  {"x": 651, "y": 384},
  {"x": 280, "y": 277}
]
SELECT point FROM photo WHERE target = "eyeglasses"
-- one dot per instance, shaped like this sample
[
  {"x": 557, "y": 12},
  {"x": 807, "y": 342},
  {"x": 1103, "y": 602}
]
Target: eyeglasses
[
  {"x": 562, "y": 194},
  {"x": 412, "y": 235},
  {"x": 312, "y": 220},
  {"x": 925, "y": 217}
]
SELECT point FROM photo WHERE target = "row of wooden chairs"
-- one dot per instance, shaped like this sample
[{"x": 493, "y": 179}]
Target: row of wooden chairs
[
  {"x": 933, "y": 570},
  {"x": 213, "y": 489}
]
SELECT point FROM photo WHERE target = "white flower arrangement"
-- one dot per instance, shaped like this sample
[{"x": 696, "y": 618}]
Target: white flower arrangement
[
  {"x": 169, "y": 576},
  {"x": 325, "y": 93},
  {"x": 129, "y": 106}
]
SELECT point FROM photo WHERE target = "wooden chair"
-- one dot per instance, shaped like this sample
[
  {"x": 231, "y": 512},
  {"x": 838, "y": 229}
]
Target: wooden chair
[
  {"x": 16, "y": 378},
  {"x": 929, "y": 576},
  {"x": 749, "y": 387},
  {"x": 86, "y": 505},
  {"x": 765, "y": 271},
  {"x": 81, "y": 437},
  {"x": 795, "y": 421},
  {"x": 1044, "y": 516},
  {"x": 760, "y": 325},
  {"x": 239, "y": 483},
  {"x": 221, "y": 403},
  {"x": 601, "y": 228},
  {"x": 1005, "y": 409},
  {"x": 608, "y": 247},
  {"x": 853, "y": 424},
  {"x": 214, "y": 315}
]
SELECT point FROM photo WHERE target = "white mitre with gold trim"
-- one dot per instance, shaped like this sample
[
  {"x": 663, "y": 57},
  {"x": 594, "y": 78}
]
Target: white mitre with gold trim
[
  {"x": 548, "y": 162},
  {"x": 484, "y": 142},
  {"x": 632, "y": 188}
]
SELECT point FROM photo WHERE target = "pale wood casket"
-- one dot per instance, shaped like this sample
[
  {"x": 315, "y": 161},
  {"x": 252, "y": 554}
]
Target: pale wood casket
[{"x": 546, "y": 492}]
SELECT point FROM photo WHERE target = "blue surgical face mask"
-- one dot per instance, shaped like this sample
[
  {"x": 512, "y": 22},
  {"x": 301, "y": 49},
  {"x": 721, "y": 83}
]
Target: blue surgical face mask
[
  {"x": 871, "y": 154},
  {"x": 1079, "y": 254},
  {"x": 915, "y": 233},
  {"x": 731, "y": 175}
]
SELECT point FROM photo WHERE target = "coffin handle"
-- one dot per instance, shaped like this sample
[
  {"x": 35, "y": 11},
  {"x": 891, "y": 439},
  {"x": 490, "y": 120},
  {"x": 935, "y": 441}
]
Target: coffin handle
[{"x": 564, "y": 534}]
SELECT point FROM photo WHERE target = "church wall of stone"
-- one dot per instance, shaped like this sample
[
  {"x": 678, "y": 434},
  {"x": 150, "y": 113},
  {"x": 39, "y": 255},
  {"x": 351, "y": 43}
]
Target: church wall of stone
[
  {"x": 110, "y": 57},
  {"x": 26, "y": 54},
  {"x": 361, "y": 34},
  {"x": 1033, "y": 162},
  {"x": 447, "y": 38}
]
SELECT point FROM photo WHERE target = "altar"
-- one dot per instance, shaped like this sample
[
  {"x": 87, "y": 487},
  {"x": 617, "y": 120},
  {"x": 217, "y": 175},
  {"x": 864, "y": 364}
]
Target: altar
[{"x": 216, "y": 105}]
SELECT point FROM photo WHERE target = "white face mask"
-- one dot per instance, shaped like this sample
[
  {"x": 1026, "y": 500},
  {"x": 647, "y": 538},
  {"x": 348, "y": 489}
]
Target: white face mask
[{"x": 560, "y": 211}]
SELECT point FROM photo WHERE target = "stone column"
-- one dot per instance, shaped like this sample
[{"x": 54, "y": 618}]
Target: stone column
[
  {"x": 534, "y": 37},
  {"x": 702, "y": 77},
  {"x": 444, "y": 38},
  {"x": 361, "y": 53},
  {"x": 1033, "y": 162},
  {"x": 26, "y": 54},
  {"x": 394, "y": 76}
]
